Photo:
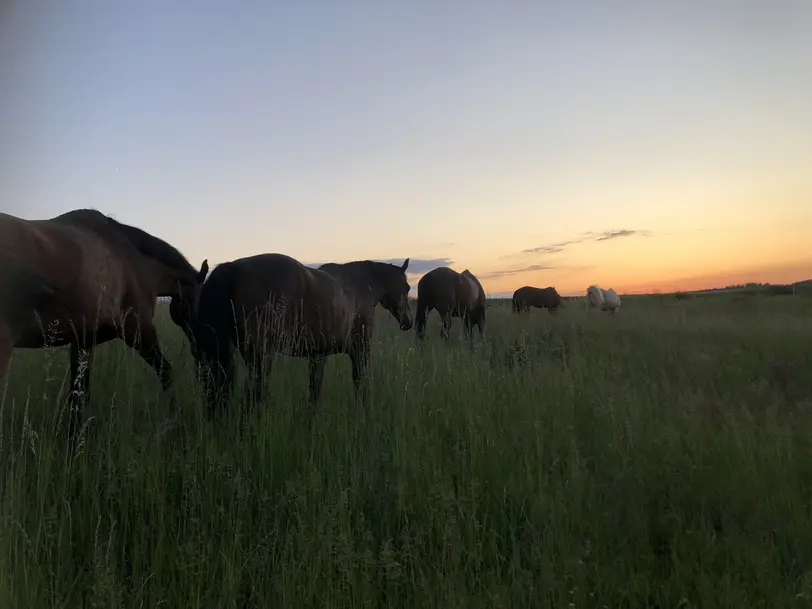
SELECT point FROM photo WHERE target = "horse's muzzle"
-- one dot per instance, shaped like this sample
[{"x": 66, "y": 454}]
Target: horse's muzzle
[{"x": 405, "y": 324}]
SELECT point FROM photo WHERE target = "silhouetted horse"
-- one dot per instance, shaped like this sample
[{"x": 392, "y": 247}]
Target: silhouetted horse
[
  {"x": 272, "y": 304},
  {"x": 453, "y": 294},
  {"x": 82, "y": 279},
  {"x": 541, "y": 298}
]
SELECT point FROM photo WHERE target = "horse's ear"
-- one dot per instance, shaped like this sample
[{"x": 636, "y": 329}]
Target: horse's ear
[
  {"x": 204, "y": 271},
  {"x": 405, "y": 265}
]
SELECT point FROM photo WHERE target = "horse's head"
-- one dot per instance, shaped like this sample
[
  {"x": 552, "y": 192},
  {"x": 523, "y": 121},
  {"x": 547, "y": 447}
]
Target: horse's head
[
  {"x": 396, "y": 294},
  {"x": 183, "y": 307}
]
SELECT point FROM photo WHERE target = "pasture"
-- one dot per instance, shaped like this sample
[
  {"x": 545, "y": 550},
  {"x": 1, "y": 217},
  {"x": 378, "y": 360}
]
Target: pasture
[{"x": 660, "y": 458}]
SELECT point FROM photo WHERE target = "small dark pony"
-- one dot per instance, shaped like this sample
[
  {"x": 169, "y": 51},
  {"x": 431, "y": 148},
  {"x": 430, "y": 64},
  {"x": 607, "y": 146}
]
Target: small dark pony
[
  {"x": 541, "y": 298},
  {"x": 453, "y": 294},
  {"x": 83, "y": 279},
  {"x": 272, "y": 304}
]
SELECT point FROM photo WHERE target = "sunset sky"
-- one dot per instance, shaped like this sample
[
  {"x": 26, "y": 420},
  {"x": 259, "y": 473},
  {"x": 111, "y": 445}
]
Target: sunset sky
[{"x": 636, "y": 145}]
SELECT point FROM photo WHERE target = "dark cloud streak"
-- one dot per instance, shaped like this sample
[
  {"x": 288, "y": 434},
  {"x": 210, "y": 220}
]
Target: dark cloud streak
[
  {"x": 557, "y": 248},
  {"x": 614, "y": 234},
  {"x": 535, "y": 267},
  {"x": 524, "y": 269}
]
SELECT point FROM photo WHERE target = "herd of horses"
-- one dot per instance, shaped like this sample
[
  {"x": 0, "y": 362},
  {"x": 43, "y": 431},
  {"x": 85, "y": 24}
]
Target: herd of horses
[{"x": 82, "y": 279}]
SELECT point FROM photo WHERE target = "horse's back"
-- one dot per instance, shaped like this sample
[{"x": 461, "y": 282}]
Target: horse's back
[
  {"x": 437, "y": 287},
  {"x": 300, "y": 298},
  {"x": 523, "y": 293},
  {"x": 258, "y": 280}
]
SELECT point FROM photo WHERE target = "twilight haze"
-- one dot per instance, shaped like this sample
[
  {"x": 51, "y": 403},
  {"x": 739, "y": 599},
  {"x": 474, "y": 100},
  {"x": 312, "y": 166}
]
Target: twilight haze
[{"x": 637, "y": 145}]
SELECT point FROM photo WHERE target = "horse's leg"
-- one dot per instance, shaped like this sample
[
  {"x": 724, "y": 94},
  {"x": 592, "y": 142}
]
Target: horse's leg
[
  {"x": 143, "y": 339},
  {"x": 6, "y": 347},
  {"x": 259, "y": 365},
  {"x": 445, "y": 331},
  {"x": 467, "y": 326},
  {"x": 79, "y": 390},
  {"x": 420, "y": 320},
  {"x": 5, "y": 357},
  {"x": 360, "y": 363},
  {"x": 316, "y": 376}
]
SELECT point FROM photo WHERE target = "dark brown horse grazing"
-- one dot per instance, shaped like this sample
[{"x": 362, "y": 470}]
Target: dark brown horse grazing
[
  {"x": 272, "y": 304},
  {"x": 541, "y": 298},
  {"x": 82, "y": 279},
  {"x": 453, "y": 294}
]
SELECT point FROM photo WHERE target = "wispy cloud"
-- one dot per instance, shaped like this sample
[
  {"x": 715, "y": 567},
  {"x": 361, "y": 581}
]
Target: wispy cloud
[
  {"x": 515, "y": 271},
  {"x": 557, "y": 248},
  {"x": 534, "y": 267},
  {"x": 615, "y": 234},
  {"x": 547, "y": 249}
]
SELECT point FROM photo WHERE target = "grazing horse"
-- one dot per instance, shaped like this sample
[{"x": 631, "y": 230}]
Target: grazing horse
[
  {"x": 83, "y": 279},
  {"x": 453, "y": 294},
  {"x": 541, "y": 298},
  {"x": 272, "y": 304},
  {"x": 603, "y": 300}
]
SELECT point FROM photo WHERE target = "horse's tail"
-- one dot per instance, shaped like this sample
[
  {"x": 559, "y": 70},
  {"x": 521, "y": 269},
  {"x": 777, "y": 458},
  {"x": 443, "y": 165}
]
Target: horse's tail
[
  {"x": 215, "y": 333},
  {"x": 515, "y": 305}
]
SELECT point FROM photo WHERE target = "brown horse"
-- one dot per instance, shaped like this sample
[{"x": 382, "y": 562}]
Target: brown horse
[
  {"x": 82, "y": 279},
  {"x": 272, "y": 304},
  {"x": 453, "y": 294},
  {"x": 541, "y": 298}
]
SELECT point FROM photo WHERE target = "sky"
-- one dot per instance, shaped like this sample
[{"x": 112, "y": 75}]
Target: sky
[{"x": 631, "y": 144}]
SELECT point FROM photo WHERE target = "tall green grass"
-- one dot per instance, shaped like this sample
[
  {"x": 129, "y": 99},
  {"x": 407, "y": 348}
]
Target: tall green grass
[{"x": 660, "y": 458}]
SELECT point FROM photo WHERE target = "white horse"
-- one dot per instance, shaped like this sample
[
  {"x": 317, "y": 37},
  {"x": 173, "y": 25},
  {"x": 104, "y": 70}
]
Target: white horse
[{"x": 603, "y": 300}]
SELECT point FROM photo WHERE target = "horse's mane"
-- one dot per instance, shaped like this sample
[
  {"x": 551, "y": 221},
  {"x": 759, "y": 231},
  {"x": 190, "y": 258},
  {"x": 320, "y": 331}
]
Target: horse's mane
[
  {"x": 373, "y": 267},
  {"x": 146, "y": 244},
  {"x": 358, "y": 272},
  {"x": 152, "y": 247}
]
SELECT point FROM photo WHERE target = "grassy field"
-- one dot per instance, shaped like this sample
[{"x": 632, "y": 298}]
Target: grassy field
[{"x": 660, "y": 458}]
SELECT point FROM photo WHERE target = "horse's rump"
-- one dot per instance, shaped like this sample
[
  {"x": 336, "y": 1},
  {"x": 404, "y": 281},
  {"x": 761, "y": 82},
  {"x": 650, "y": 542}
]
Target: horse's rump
[
  {"x": 594, "y": 296},
  {"x": 472, "y": 294},
  {"x": 611, "y": 300},
  {"x": 475, "y": 295},
  {"x": 69, "y": 274},
  {"x": 93, "y": 271},
  {"x": 273, "y": 300}
]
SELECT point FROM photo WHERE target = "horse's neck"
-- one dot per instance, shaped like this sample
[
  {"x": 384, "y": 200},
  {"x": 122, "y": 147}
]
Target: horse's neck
[
  {"x": 362, "y": 288},
  {"x": 164, "y": 279}
]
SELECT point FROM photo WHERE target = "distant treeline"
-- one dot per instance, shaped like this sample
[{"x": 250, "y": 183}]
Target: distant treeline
[{"x": 752, "y": 288}]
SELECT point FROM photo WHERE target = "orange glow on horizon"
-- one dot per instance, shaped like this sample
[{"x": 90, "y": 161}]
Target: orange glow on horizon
[
  {"x": 774, "y": 274},
  {"x": 785, "y": 274}
]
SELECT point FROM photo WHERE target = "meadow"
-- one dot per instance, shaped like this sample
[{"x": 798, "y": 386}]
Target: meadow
[{"x": 660, "y": 458}]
